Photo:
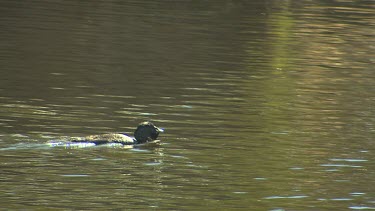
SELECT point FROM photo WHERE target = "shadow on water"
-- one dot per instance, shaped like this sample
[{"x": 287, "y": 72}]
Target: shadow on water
[{"x": 268, "y": 105}]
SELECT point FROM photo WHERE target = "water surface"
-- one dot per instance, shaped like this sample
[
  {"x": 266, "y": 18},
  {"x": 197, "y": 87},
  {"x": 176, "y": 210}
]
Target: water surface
[{"x": 267, "y": 105}]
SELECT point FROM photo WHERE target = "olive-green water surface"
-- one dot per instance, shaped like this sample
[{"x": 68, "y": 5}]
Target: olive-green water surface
[{"x": 266, "y": 105}]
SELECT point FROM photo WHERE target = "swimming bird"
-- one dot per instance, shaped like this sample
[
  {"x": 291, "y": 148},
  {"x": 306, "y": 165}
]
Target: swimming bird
[{"x": 145, "y": 132}]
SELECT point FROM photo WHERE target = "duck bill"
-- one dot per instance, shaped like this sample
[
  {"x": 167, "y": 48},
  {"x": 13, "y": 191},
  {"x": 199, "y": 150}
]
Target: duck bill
[{"x": 160, "y": 130}]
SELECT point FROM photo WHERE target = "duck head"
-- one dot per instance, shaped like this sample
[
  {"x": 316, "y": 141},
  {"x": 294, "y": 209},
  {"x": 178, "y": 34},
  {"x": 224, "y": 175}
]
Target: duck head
[{"x": 146, "y": 131}]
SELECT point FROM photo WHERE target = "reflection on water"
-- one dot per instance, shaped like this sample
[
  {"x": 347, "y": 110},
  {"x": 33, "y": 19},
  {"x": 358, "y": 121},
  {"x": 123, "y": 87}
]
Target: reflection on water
[{"x": 266, "y": 105}]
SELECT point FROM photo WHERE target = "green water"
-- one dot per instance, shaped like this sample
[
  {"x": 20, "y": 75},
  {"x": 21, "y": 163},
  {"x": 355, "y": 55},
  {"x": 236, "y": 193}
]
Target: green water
[{"x": 266, "y": 105}]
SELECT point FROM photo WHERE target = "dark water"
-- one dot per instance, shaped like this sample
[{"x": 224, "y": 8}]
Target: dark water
[{"x": 267, "y": 105}]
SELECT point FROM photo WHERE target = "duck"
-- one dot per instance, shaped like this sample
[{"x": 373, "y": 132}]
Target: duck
[{"x": 145, "y": 132}]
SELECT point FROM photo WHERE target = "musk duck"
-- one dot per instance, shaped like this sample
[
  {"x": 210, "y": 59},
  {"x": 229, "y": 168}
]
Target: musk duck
[{"x": 145, "y": 132}]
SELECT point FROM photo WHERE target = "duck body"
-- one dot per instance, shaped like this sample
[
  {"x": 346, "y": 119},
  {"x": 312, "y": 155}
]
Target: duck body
[
  {"x": 107, "y": 138},
  {"x": 145, "y": 132}
]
